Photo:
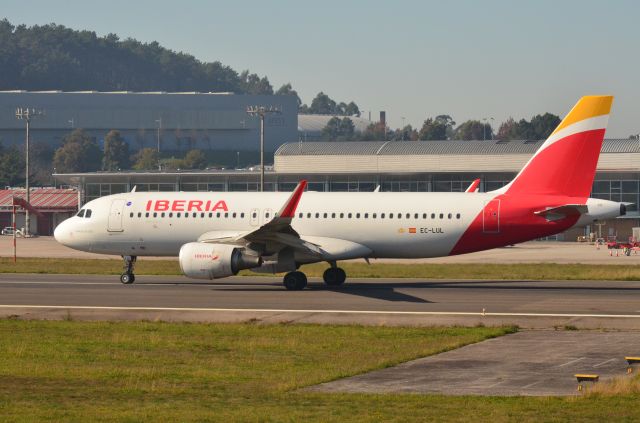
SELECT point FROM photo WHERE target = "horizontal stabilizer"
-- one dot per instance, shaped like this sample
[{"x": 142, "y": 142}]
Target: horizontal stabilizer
[{"x": 560, "y": 212}]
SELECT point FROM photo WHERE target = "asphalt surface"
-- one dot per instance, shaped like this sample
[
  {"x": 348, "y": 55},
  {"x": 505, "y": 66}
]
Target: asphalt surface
[
  {"x": 524, "y": 363},
  {"x": 528, "y": 304}
]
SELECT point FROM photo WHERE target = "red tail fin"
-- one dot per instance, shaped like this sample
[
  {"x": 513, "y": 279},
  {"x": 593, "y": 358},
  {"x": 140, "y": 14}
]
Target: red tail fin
[{"x": 566, "y": 163}]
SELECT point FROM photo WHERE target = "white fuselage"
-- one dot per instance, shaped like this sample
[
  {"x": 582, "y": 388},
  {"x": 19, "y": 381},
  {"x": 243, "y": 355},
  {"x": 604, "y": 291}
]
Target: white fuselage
[{"x": 387, "y": 225}]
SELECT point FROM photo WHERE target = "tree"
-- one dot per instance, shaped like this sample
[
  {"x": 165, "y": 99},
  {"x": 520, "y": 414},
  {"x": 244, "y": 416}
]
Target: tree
[
  {"x": 286, "y": 89},
  {"x": 352, "y": 109},
  {"x": 323, "y": 105},
  {"x": 544, "y": 125},
  {"x": 473, "y": 130},
  {"x": 508, "y": 130},
  {"x": 146, "y": 159},
  {"x": 79, "y": 153},
  {"x": 12, "y": 167},
  {"x": 195, "y": 159},
  {"x": 375, "y": 132},
  {"x": 437, "y": 128},
  {"x": 339, "y": 129},
  {"x": 116, "y": 152},
  {"x": 251, "y": 83}
]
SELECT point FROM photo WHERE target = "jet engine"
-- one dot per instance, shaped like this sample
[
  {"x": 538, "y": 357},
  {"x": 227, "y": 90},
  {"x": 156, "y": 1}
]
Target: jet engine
[{"x": 200, "y": 260}]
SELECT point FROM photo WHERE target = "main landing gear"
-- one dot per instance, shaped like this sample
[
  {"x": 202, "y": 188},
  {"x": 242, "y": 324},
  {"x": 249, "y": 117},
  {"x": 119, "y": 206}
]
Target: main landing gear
[
  {"x": 127, "y": 277},
  {"x": 297, "y": 281}
]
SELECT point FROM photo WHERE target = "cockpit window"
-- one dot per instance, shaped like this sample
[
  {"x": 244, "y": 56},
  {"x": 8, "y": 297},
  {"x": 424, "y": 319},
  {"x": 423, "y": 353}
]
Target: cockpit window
[
  {"x": 80, "y": 213},
  {"x": 88, "y": 214}
]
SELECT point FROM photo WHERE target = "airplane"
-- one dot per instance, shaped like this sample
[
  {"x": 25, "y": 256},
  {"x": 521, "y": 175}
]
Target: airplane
[{"x": 217, "y": 234}]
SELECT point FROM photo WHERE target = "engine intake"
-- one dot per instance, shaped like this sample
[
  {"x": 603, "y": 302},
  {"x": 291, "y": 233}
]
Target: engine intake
[{"x": 200, "y": 260}]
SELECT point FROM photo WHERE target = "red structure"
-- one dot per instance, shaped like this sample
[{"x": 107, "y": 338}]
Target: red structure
[{"x": 49, "y": 205}]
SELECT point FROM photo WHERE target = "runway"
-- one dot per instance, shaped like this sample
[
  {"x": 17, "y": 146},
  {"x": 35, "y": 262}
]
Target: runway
[{"x": 528, "y": 304}]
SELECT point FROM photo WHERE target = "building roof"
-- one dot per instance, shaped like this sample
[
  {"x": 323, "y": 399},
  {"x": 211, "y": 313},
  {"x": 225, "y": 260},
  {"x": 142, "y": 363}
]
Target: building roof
[
  {"x": 313, "y": 125},
  {"x": 43, "y": 199},
  {"x": 410, "y": 148}
]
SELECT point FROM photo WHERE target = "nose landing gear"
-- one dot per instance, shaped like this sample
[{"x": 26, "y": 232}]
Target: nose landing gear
[{"x": 127, "y": 277}]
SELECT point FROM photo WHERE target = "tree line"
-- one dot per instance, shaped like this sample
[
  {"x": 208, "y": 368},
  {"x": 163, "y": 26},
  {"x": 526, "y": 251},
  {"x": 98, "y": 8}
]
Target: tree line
[
  {"x": 54, "y": 57},
  {"x": 443, "y": 127}
]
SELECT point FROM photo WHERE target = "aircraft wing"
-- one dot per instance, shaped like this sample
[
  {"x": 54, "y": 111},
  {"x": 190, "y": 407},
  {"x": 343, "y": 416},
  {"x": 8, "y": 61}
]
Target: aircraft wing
[
  {"x": 560, "y": 212},
  {"x": 278, "y": 234},
  {"x": 273, "y": 235}
]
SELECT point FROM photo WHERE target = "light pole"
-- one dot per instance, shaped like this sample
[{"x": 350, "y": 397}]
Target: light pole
[
  {"x": 159, "y": 122},
  {"x": 484, "y": 128},
  {"x": 262, "y": 111},
  {"x": 27, "y": 114},
  {"x": 72, "y": 123},
  {"x": 238, "y": 160}
]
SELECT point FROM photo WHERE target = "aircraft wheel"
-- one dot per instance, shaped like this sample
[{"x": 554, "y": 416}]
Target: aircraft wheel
[
  {"x": 334, "y": 276},
  {"x": 127, "y": 278},
  {"x": 295, "y": 281}
]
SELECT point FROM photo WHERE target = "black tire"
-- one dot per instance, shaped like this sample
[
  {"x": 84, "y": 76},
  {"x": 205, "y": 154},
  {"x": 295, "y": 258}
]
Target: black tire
[
  {"x": 295, "y": 281},
  {"x": 334, "y": 276},
  {"x": 127, "y": 278}
]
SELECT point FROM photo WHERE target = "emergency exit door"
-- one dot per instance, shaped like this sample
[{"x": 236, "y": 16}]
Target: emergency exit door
[{"x": 491, "y": 217}]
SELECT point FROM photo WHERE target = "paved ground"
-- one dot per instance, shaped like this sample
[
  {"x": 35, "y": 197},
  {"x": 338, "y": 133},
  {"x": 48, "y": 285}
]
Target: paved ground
[
  {"x": 529, "y": 304},
  {"x": 528, "y": 252},
  {"x": 525, "y": 363}
]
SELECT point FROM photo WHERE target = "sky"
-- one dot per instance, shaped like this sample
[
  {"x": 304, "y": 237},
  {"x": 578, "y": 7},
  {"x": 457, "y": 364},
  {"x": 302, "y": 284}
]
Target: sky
[{"x": 414, "y": 59}]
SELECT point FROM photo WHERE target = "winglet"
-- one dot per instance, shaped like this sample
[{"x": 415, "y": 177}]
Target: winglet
[
  {"x": 289, "y": 208},
  {"x": 474, "y": 187}
]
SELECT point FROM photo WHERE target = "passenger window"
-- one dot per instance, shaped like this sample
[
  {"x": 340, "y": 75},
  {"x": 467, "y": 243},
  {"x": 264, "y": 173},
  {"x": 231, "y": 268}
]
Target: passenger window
[
  {"x": 242, "y": 215},
  {"x": 201, "y": 214},
  {"x": 254, "y": 215},
  {"x": 131, "y": 214},
  {"x": 233, "y": 215},
  {"x": 308, "y": 215},
  {"x": 177, "y": 214},
  {"x": 266, "y": 215},
  {"x": 349, "y": 215},
  {"x": 441, "y": 216},
  {"x": 415, "y": 216},
  {"x": 186, "y": 215},
  {"x": 195, "y": 214},
  {"x": 357, "y": 215},
  {"x": 218, "y": 214},
  {"x": 80, "y": 213},
  {"x": 408, "y": 216},
  {"x": 162, "y": 214},
  {"x": 381, "y": 215},
  {"x": 366, "y": 215},
  {"x": 146, "y": 214},
  {"x": 449, "y": 215},
  {"x": 170, "y": 214},
  {"x": 324, "y": 215},
  {"x": 139, "y": 214},
  {"x": 227, "y": 215},
  {"x": 210, "y": 215},
  {"x": 424, "y": 215},
  {"x": 433, "y": 215},
  {"x": 390, "y": 215},
  {"x": 155, "y": 214},
  {"x": 299, "y": 215},
  {"x": 373, "y": 215},
  {"x": 317, "y": 215},
  {"x": 458, "y": 216},
  {"x": 87, "y": 214},
  {"x": 333, "y": 215}
]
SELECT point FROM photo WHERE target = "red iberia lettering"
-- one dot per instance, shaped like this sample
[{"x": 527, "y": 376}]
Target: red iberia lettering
[
  {"x": 195, "y": 205},
  {"x": 149, "y": 205},
  {"x": 207, "y": 206},
  {"x": 162, "y": 205},
  {"x": 220, "y": 205},
  {"x": 177, "y": 205}
]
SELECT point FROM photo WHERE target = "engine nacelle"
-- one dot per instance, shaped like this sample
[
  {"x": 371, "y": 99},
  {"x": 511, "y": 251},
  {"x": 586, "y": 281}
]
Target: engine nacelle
[{"x": 200, "y": 260}]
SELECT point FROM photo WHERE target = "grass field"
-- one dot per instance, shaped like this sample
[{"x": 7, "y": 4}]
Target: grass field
[
  {"x": 538, "y": 271},
  {"x": 89, "y": 371}
]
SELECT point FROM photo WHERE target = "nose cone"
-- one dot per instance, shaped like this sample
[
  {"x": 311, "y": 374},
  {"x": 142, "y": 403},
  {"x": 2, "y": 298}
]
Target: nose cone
[{"x": 60, "y": 233}]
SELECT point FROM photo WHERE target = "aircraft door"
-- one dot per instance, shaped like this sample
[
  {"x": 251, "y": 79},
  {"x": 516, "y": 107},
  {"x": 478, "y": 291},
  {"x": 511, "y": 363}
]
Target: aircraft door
[
  {"x": 255, "y": 217},
  {"x": 491, "y": 217},
  {"x": 115, "y": 216}
]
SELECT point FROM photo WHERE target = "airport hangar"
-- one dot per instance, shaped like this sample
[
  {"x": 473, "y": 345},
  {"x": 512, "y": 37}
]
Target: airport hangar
[
  {"x": 181, "y": 121},
  {"x": 416, "y": 166}
]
